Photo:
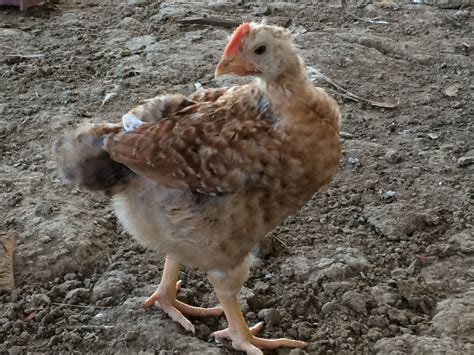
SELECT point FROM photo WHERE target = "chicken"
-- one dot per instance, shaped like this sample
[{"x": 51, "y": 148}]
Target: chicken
[{"x": 202, "y": 179}]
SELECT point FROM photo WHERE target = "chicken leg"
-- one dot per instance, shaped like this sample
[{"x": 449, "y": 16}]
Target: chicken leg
[
  {"x": 165, "y": 295},
  {"x": 226, "y": 285}
]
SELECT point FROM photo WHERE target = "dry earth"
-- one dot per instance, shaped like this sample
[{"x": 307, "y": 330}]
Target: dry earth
[{"x": 381, "y": 263}]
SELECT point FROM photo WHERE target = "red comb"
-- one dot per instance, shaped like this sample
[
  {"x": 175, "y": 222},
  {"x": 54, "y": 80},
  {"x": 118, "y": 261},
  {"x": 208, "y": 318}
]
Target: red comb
[{"x": 240, "y": 33}]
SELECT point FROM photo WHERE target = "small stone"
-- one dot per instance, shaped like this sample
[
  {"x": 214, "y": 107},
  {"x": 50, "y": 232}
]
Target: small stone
[
  {"x": 43, "y": 210},
  {"x": 398, "y": 316},
  {"x": 76, "y": 295},
  {"x": 296, "y": 352},
  {"x": 39, "y": 299},
  {"x": 129, "y": 23},
  {"x": 354, "y": 161},
  {"x": 392, "y": 156},
  {"x": 355, "y": 301},
  {"x": 374, "y": 334},
  {"x": 466, "y": 160},
  {"x": 131, "y": 335},
  {"x": 204, "y": 331},
  {"x": 304, "y": 332},
  {"x": 14, "y": 350},
  {"x": 432, "y": 136},
  {"x": 261, "y": 287},
  {"x": 270, "y": 316},
  {"x": 137, "y": 2},
  {"x": 329, "y": 307},
  {"x": 70, "y": 276}
]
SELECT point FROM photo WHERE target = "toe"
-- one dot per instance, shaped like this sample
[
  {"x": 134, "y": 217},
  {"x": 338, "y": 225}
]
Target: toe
[
  {"x": 178, "y": 317},
  {"x": 150, "y": 301}
]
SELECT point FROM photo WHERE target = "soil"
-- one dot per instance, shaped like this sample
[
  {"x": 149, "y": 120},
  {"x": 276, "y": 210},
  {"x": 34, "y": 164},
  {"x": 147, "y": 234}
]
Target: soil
[{"x": 382, "y": 262}]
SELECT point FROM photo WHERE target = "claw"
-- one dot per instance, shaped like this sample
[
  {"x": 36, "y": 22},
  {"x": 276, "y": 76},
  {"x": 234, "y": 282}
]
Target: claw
[
  {"x": 177, "y": 310},
  {"x": 253, "y": 345}
]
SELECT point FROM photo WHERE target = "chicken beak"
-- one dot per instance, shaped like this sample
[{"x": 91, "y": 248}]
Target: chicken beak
[{"x": 234, "y": 65}]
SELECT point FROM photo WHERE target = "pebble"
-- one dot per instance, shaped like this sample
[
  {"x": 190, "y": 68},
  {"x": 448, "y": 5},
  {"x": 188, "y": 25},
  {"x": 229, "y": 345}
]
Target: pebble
[
  {"x": 355, "y": 301},
  {"x": 261, "y": 287},
  {"x": 270, "y": 316},
  {"x": 14, "y": 350},
  {"x": 204, "y": 331},
  {"x": 77, "y": 295},
  {"x": 466, "y": 160},
  {"x": 392, "y": 156},
  {"x": 39, "y": 299},
  {"x": 131, "y": 335},
  {"x": 329, "y": 307},
  {"x": 354, "y": 161}
]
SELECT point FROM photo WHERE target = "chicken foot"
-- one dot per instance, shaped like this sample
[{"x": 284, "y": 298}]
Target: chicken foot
[
  {"x": 165, "y": 295},
  {"x": 226, "y": 285}
]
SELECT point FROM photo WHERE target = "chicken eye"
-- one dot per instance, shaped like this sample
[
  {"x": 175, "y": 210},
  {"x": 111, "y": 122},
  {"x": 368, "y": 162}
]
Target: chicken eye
[{"x": 260, "y": 50}]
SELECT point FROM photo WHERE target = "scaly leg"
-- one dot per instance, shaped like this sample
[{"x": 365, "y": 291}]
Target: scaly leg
[
  {"x": 165, "y": 295},
  {"x": 226, "y": 285}
]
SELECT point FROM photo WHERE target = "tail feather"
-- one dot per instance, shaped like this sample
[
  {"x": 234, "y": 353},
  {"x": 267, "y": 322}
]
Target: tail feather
[{"x": 84, "y": 163}]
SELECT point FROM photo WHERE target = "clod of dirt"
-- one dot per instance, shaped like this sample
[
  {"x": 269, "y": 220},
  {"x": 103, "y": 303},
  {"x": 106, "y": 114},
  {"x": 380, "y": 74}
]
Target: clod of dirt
[
  {"x": 455, "y": 317},
  {"x": 392, "y": 156},
  {"x": 355, "y": 301},
  {"x": 113, "y": 284}
]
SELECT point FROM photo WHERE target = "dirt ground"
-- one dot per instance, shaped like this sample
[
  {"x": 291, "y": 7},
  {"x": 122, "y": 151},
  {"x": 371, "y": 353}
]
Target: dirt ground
[{"x": 383, "y": 262}]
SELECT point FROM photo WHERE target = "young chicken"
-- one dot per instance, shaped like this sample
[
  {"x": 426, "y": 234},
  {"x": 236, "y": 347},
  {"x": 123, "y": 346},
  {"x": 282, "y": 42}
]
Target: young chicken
[{"x": 205, "y": 178}]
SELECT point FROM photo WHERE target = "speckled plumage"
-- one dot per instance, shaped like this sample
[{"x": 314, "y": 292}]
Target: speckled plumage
[{"x": 206, "y": 177}]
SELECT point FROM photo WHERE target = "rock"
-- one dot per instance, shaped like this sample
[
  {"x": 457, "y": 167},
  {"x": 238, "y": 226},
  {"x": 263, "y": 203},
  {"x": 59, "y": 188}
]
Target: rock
[
  {"x": 464, "y": 242},
  {"x": 261, "y": 287},
  {"x": 398, "y": 316},
  {"x": 329, "y": 307},
  {"x": 137, "y": 2},
  {"x": 115, "y": 284},
  {"x": 60, "y": 290},
  {"x": 70, "y": 276},
  {"x": 139, "y": 44},
  {"x": 466, "y": 160},
  {"x": 354, "y": 161},
  {"x": 296, "y": 352},
  {"x": 395, "y": 221},
  {"x": 392, "y": 156},
  {"x": 304, "y": 331},
  {"x": 355, "y": 301},
  {"x": 131, "y": 335},
  {"x": 129, "y": 23},
  {"x": 14, "y": 350},
  {"x": 388, "y": 196},
  {"x": 39, "y": 299},
  {"x": 455, "y": 317},
  {"x": 204, "y": 331},
  {"x": 374, "y": 334},
  {"x": 43, "y": 210},
  {"x": 270, "y": 316},
  {"x": 337, "y": 265},
  {"x": 418, "y": 295},
  {"x": 423, "y": 345},
  {"x": 331, "y": 287},
  {"x": 384, "y": 295},
  {"x": 77, "y": 295}
]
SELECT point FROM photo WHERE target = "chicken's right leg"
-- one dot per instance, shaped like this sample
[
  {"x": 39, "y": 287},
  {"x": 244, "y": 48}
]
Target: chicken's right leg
[{"x": 165, "y": 295}]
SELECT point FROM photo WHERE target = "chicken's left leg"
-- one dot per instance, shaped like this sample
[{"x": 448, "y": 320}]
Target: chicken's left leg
[
  {"x": 226, "y": 285},
  {"x": 165, "y": 295}
]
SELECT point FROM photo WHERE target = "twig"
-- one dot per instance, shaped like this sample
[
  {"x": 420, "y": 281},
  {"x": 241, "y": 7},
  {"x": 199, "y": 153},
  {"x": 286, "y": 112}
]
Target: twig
[
  {"x": 279, "y": 240},
  {"x": 79, "y": 305},
  {"x": 25, "y": 56},
  {"x": 211, "y": 21},
  {"x": 90, "y": 327},
  {"x": 314, "y": 74}
]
